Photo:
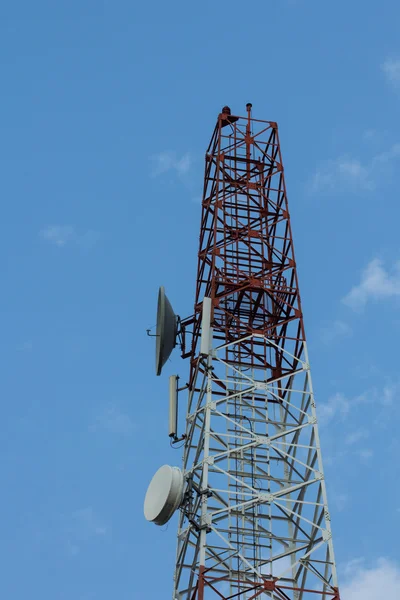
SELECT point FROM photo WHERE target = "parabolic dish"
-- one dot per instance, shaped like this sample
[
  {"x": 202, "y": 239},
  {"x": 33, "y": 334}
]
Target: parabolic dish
[
  {"x": 164, "y": 495},
  {"x": 166, "y": 331}
]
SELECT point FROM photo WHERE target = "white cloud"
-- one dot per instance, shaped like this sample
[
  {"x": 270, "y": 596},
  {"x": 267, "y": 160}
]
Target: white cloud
[
  {"x": 370, "y": 135},
  {"x": 356, "y": 436},
  {"x": 61, "y": 235},
  {"x": 388, "y": 394},
  {"x": 380, "y": 581},
  {"x": 276, "y": 567},
  {"x": 350, "y": 173},
  {"x": 114, "y": 421},
  {"x": 82, "y": 526},
  {"x": 168, "y": 161},
  {"x": 343, "y": 171},
  {"x": 366, "y": 397},
  {"x": 58, "y": 234},
  {"x": 388, "y": 156},
  {"x": 353, "y": 169},
  {"x": 353, "y": 565},
  {"x": 337, "y": 406},
  {"x": 391, "y": 69},
  {"x": 87, "y": 523},
  {"x": 335, "y": 330},
  {"x": 376, "y": 283},
  {"x": 365, "y": 454}
]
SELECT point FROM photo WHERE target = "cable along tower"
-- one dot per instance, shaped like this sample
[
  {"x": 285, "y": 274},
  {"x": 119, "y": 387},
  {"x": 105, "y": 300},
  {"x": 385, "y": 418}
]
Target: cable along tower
[{"x": 251, "y": 497}]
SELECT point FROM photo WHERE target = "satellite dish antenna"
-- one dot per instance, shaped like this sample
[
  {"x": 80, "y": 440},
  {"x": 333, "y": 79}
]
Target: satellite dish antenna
[
  {"x": 164, "y": 495},
  {"x": 167, "y": 330}
]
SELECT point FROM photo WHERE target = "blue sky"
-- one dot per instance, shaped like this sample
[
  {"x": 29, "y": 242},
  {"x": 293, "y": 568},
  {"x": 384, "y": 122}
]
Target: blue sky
[{"x": 106, "y": 112}]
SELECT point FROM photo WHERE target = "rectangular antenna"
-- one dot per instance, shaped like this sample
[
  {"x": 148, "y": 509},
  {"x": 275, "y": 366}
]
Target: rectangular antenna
[
  {"x": 173, "y": 406},
  {"x": 206, "y": 334}
]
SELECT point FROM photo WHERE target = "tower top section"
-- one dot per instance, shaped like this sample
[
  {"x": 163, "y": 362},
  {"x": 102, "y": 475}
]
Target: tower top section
[{"x": 246, "y": 257}]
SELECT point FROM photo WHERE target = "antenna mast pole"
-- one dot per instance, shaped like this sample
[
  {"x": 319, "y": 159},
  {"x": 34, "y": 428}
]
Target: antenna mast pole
[{"x": 254, "y": 522}]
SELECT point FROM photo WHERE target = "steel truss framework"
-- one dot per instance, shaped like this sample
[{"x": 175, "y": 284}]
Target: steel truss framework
[{"x": 254, "y": 522}]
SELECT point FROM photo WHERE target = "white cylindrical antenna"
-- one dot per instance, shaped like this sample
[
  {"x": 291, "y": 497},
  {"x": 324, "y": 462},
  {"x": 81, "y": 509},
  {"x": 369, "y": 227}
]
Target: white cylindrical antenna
[
  {"x": 206, "y": 334},
  {"x": 173, "y": 406}
]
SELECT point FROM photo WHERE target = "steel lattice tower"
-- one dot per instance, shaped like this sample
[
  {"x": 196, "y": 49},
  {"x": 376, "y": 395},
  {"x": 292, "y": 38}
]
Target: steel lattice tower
[{"x": 254, "y": 522}]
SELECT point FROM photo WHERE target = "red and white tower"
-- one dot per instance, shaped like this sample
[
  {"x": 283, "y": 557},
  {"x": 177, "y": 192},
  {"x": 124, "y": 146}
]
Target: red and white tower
[{"x": 253, "y": 513}]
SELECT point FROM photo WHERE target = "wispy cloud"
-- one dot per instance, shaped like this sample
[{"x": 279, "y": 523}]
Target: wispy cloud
[
  {"x": 113, "y": 421},
  {"x": 349, "y": 447},
  {"x": 386, "y": 157},
  {"x": 343, "y": 171},
  {"x": 336, "y": 406},
  {"x": 88, "y": 523},
  {"x": 353, "y": 565},
  {"x": 362, "y": 583},
  {"x": 365, "y": 454},
  {"x": 83, "y": 525},
  {"x": 384, "y": 396},
  {"x": 376, "y": 283},
  {"x": 391, "y": 70},
  {"x": 371, "y": 135},
  {"x": 356, "y": 436},
  {"x": 350, "y": 173},
  {"x": 57, "y": 234},
  {"x": 276, "y": 567},
  {"x": 335, "y": 330},
  {"x": 339, "y": 406},
  {"x": 389, "y": 393},
  {"x": 61, "y": 235},
  {"x": 167, "y": 161}
]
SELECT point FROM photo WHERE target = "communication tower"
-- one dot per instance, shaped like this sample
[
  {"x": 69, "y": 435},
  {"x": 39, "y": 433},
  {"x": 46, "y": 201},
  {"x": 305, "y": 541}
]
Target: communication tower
[{"x": 250, "y": 495}]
